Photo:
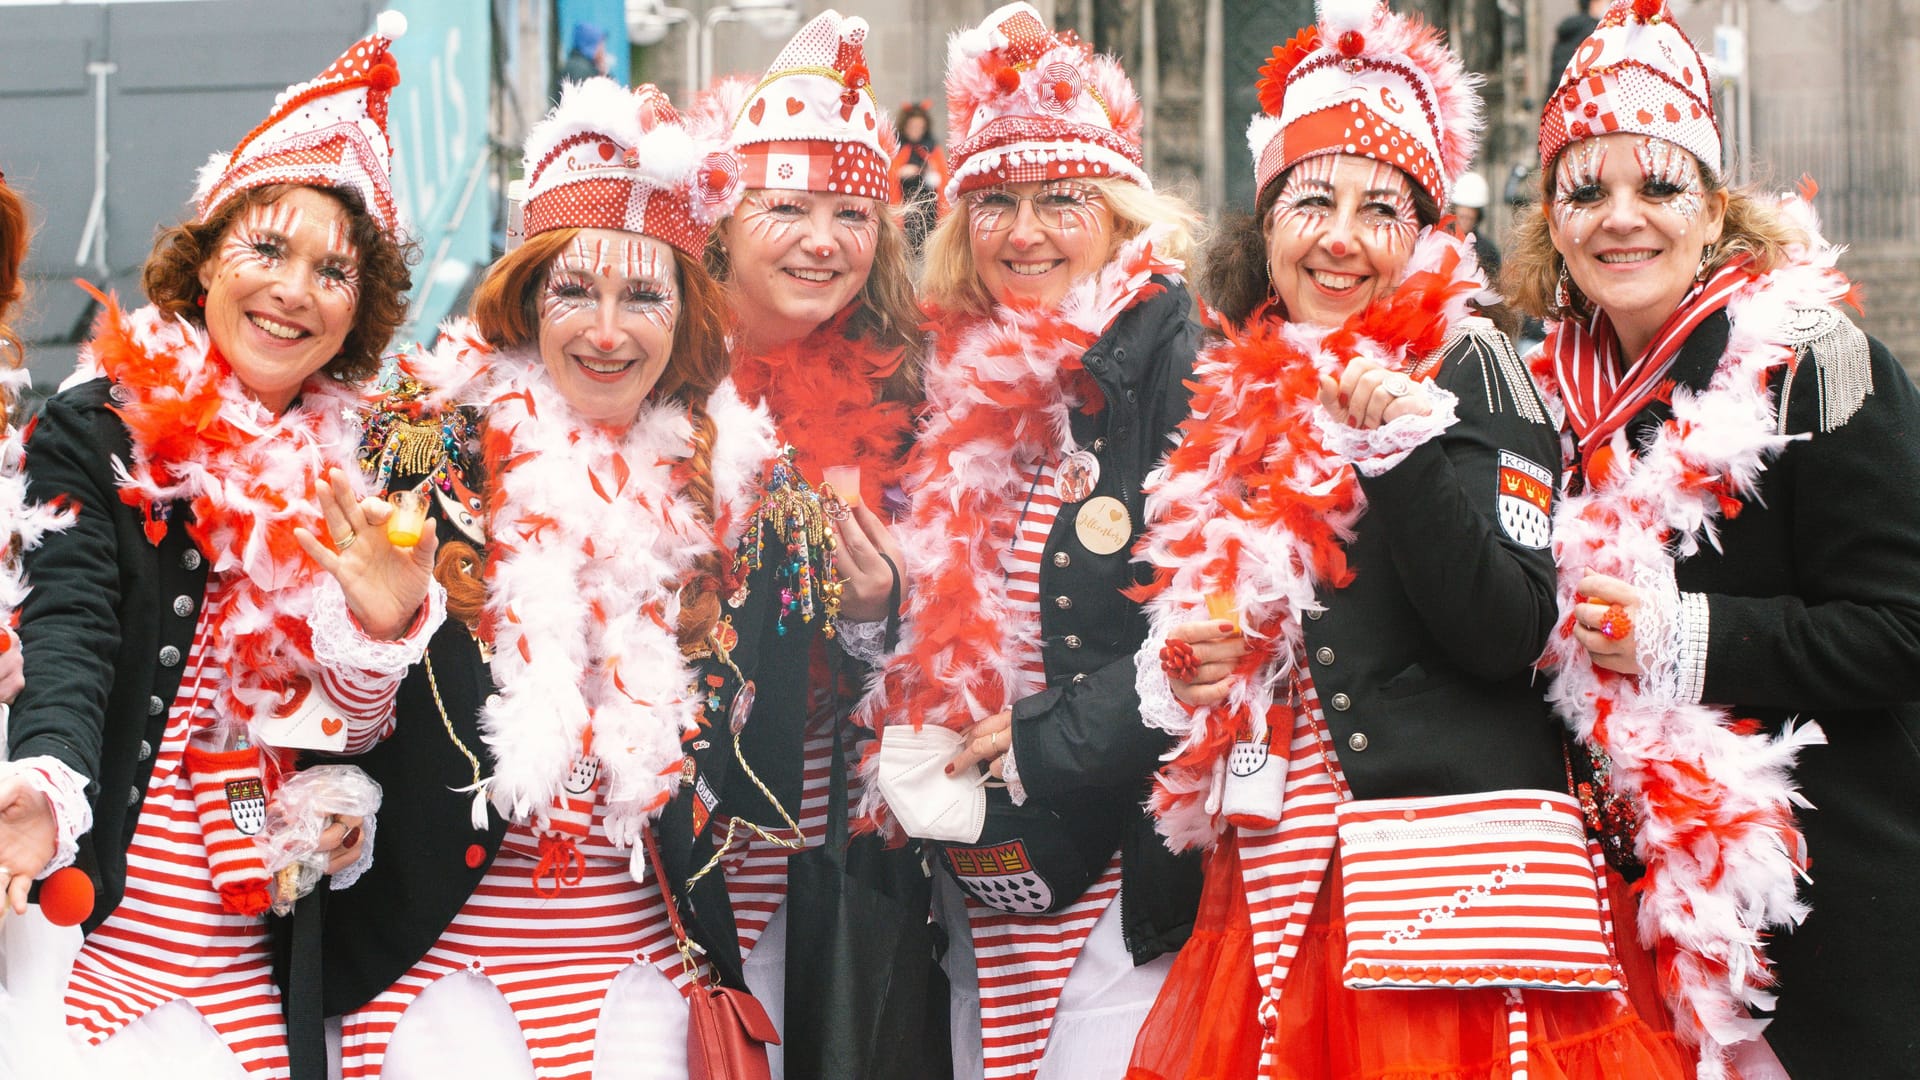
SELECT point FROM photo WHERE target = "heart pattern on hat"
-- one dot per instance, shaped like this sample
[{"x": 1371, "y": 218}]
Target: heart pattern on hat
[{"x": 758, "y": 111}]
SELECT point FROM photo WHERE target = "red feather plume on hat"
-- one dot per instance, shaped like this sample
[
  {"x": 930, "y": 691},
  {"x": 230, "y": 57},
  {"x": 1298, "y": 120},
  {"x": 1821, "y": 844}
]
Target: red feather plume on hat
[{"x": 1273, "y": 74}]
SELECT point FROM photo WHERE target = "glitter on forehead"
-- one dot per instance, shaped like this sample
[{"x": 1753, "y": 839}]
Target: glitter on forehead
[{"x": 1666, "y": 164}]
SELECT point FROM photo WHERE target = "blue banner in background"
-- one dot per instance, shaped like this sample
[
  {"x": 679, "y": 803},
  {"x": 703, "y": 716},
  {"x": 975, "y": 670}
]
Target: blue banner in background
[
  {"x": 438, "y": 120},
  {"x": 607, "y": 16}
]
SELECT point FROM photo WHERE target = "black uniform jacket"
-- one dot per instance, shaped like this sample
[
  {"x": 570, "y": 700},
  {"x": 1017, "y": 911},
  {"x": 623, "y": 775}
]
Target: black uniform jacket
[
  {"x": 1814, "y": 602},
  {"x": 105, "y": 630},
  {"x": 1424, "y": 663},
  {"x": 430, "y": 858},
  {"x": 1079, "y": 745}
]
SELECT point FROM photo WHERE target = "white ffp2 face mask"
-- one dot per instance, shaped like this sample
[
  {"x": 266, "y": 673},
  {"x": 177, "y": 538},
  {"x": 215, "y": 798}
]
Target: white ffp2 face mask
[{"x": 929, "y": 804}]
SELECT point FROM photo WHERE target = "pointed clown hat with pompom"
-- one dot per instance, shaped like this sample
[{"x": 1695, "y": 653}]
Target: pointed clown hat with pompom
[
  {"x": 1368, "y": 82},
  {"x": 608, "y": 157},
  {"x": 812, "y": 123},
  {"x": 1026, "y": 104},
  {"x": 328, "y": 132},
  {"x": 1636, "y": 73}
]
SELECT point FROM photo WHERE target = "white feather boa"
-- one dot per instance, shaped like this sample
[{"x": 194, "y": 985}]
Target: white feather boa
[
  {"x": 23, "y": 525},
  {"x": 592, "y": 537},
  {"x": 1000, "y": 394},
  {"x": 1715, "y": 806},
  {"x": 249, "y": 477},
  {"x": 1254, "y": 504}
]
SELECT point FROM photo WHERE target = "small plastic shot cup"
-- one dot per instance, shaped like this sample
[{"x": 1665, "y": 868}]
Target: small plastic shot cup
[{"x": 409, "y": 518}]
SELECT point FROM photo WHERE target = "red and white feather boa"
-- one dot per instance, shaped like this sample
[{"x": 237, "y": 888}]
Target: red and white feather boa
[
  {"x": 1255, "y": 505},
  {"x": 1715, "y": 801},
  {"x": 823, "y": 391},
  {"x": 248, "y": 476},
  {"x": 592, "y": 536},
  {"x": 1001, "y": 392}
]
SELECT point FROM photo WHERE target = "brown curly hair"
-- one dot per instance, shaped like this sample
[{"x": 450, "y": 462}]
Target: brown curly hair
[
  {"x": 506, "y": 309},
  {"x": 886, "y": 311},
  {"x": 1750, "y": 226},
  {"x": 172, "y": 274}
]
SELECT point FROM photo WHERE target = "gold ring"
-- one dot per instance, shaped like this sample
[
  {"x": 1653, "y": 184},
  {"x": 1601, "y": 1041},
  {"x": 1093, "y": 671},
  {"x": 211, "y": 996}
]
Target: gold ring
[{"x": 340, "y": 546}]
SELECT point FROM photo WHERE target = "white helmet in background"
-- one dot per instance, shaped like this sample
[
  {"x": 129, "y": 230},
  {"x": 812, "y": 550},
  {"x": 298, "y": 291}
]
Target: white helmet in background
[{"x": 1471, "y": 191}]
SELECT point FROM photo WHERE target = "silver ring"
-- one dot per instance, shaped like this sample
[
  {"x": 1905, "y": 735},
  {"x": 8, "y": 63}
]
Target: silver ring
[
  {"x": 340, "y": 546},
  {"x": 1397, "y": 385}
]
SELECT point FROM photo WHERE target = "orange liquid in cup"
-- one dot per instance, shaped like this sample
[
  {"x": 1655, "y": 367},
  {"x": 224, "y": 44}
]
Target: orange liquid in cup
[
  {"x": 1224, "y": 606},
  {"x": 845, "y": 482},
  {"x": 409, "y": 518}
]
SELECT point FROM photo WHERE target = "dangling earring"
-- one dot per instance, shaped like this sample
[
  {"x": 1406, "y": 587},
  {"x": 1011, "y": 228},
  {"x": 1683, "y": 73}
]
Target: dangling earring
[
  {"x": 1563, "y": 293},
  {"x": 1272, "y": 289},
  {"x": 1706, "y": 258}
]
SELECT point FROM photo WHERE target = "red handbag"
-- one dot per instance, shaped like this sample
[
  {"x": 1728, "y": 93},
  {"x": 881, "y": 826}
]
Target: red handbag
[{"x": 728, "y": 1030}]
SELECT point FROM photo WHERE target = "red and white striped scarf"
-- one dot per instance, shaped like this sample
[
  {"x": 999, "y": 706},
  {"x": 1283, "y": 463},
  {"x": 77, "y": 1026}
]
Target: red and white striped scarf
[{"x": 1602, "y": 392}]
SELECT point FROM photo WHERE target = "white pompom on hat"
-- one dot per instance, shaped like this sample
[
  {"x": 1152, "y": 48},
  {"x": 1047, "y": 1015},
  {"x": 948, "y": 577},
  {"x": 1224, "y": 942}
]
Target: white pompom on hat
[
  {"x": 1025, "y": 104},
  {"x": 1366, "y": 81},
  {"x": 608, "y": 157},
  {"x": 328, "y": 132},
  {"x": 1636, "y": 73}
]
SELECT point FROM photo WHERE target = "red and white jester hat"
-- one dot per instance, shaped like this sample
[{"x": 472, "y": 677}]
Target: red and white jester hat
[
  {"x": 1026, "y": 104},
  {"x": 330, "y": 132},
  {"x": 611, "y": 158},
  {"x": 1367, "y": 81},
  {"x": 1635, "y": 73},
  {"x": 813, "y": 122}
]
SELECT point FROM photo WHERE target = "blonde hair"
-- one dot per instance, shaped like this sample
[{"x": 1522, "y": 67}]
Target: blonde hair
[
  {"x": 1752, "y": 227},
  {"x": 950, "y": 282}
]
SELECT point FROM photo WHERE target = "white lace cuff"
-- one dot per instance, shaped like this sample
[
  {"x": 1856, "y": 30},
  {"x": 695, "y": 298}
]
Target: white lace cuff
[
  {"x": 340, "y": 644},
  {"x": 1659, "y": 629},
  {"x": 1159, "y": 709},
  {"x": 863, "y": 641},
  {"x": 1692, "y": 635},
  {"x": 351, "y": 872},
  {"x": 1010, "y": 772},
  {"x": 1373, "y": 451},
  {"x": 66, "y": 792}
]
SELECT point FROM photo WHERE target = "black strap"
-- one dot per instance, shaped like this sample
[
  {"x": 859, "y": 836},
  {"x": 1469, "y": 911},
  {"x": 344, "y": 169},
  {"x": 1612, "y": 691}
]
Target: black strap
[
  {"x": 893, "y": 607},
  {"x": 306, "y": 1029}
]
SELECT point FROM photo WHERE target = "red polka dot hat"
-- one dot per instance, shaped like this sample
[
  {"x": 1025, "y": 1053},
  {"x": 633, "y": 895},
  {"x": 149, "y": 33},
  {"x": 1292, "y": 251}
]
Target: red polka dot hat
[
  {"x": 1025, "y": 104},
  {"x": 1635, "y": 73},
  {"x": 813, "y": 122},
  {"x": 608, "y": 157},
  {"x": 330, "y": 132},
  {"x": 1366, "y": 81}
]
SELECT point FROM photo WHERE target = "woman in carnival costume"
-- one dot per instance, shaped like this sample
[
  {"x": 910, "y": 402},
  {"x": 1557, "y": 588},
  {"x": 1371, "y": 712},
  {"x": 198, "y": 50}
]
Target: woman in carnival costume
[
  {"x": 827, "y": 336},
  {"x": 1721, "y": 573},
  {"x": 181, "y": 634},
  {"x": 1062, "y": 343},
  {"x": 19, "y": 528},
  {"x": 583, "y": 733},
  {"x": 1352, "y": 583}
]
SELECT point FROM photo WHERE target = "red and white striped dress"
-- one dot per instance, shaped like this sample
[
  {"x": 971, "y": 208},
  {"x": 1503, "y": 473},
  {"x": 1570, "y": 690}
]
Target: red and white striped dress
[
  {"x": 170, "y": 938},
  {"x": 1023, "y": 964},
  {"x": 552, "y": 955}
]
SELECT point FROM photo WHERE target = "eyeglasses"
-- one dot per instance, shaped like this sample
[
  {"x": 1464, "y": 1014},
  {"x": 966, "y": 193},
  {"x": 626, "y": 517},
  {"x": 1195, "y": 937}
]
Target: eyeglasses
[{"x": 1056, "y": 206}]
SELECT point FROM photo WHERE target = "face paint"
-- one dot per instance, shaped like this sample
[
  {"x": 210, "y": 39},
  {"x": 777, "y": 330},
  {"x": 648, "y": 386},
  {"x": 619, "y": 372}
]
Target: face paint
[
  {"x": 1338, "y": 236},
  {"x": 1304, "y": 198},
  {"x": 633, "y": 274},
  {"x": 341, "y": 272},
  {"x": 1670, "y": 172},
  {"x": 1576, "y": 183},
  {"x": 771, "y": 217},
  {"x": 261, "y": 238},
  {"x": 1389, "y": 209}
]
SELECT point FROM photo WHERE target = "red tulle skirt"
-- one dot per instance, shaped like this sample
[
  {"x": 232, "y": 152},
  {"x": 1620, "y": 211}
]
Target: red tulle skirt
[{"x": 1206, "y": 1025}]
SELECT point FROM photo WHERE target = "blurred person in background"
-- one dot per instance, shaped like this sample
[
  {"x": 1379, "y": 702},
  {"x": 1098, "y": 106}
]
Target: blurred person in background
[
  {"x": 1469, "y": 208},
  {"x": 919, "y": 173}
]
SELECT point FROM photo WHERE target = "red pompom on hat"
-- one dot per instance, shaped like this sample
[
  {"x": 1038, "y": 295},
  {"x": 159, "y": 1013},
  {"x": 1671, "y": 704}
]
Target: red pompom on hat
[
  {"x": 1636, "y": 73},
  {"x": 1369, "y": 82},
  {"x": 329, "y": 132},
  {"x": 1024, "y": 104},
  {"x": 812, "y": 123},
  {"x": 608, "y": 157}
]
